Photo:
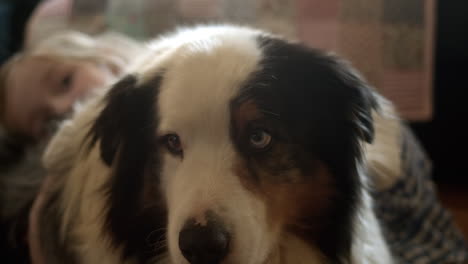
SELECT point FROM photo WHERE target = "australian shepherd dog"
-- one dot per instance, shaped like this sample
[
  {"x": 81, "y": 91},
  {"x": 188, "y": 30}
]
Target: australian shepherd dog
[{"x": 223, "y": 145}]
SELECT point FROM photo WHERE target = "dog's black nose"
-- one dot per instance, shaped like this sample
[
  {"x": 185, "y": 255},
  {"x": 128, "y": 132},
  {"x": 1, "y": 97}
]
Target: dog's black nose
[{"x": 204, "y": 244}]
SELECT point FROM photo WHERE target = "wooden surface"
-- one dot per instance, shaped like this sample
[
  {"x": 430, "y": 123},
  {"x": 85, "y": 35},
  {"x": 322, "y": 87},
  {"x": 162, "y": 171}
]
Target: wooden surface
[{"x": 455, "y": 198}]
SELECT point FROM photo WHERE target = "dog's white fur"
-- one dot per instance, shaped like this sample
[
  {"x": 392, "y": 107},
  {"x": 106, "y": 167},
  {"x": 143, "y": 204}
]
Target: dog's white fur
[{"x": 204, "y": 179}]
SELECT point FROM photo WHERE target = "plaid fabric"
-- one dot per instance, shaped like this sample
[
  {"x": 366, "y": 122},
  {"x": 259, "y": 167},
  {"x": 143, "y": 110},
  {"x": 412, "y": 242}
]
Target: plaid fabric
[{"x": 418, "y": 228}]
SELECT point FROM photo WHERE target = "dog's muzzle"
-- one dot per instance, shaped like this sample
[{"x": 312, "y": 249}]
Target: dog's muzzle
[{"x": 206, "y": 243}]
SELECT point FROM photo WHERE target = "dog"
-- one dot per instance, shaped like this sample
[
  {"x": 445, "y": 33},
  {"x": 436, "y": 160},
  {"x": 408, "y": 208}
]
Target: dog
[{"x": 223, "y": 145}]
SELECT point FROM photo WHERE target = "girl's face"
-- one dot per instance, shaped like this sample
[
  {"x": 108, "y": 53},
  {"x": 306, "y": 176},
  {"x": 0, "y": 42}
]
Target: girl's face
[{"x": 40, "y": 89}]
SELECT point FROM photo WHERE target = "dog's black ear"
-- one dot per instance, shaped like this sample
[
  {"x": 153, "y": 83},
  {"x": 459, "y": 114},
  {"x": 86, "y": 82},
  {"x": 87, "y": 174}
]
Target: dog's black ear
[
  {"x": 126, "y": 118},
  {"x": 363, "y": 101},
  {"x": 317, "y": 86},
  {"x": 125, "y": 130}
]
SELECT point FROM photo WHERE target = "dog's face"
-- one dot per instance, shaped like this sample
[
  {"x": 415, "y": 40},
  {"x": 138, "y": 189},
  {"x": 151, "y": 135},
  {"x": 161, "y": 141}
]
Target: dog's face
[{"x": 233, "y": 147}]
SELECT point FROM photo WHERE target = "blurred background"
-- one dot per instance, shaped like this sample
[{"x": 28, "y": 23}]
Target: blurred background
[
  {"x": 390, "y": 41},
  {"x": 415, "y": 52}
]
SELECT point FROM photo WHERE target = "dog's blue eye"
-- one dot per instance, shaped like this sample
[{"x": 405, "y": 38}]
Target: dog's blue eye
[
  {"x": 173, "y": 144},
  {"x": 260, "y": 139}
]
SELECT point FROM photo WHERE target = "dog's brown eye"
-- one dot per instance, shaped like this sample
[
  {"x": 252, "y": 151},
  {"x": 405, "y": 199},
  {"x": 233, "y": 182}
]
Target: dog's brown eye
[
  {"x": 260, "y": 139},
  {"x": 173, "y": 144}
]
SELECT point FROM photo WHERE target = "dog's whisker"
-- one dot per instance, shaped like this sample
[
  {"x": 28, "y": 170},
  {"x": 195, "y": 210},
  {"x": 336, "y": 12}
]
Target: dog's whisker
[
  {"x": 269, "y": 113},
  {"x": 156, "y": 232},
  {"x": 162, "y": 244}
]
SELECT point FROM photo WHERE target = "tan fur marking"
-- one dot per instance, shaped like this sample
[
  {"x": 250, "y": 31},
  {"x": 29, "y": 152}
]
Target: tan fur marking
[
  {"x": 295, "y": 193},
  {"x": 288, "y": 202},
  {"x": 245, "y": 113}
]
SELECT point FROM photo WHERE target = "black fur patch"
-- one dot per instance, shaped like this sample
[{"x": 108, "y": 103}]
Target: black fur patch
[
  {"x": 126, "y": 130},
  {"x": 323, "y": 111}
]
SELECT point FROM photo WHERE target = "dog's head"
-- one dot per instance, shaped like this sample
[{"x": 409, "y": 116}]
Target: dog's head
[{"x": 232, "y": 146}]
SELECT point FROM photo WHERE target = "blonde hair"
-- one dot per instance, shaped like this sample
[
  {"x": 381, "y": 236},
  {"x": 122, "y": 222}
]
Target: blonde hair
[
  {"x": 4, "y": 73},
  {"x": 110, "y": 49}
]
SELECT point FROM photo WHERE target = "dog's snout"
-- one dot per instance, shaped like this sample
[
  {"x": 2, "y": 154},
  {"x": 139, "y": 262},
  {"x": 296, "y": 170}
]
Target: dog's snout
[{"x": 204, "y": 244}]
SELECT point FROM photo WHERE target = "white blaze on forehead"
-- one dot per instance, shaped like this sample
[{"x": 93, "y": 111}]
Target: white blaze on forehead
[
  {"x": 165, "y": 50},
  {"x": 204, "y": 75}
]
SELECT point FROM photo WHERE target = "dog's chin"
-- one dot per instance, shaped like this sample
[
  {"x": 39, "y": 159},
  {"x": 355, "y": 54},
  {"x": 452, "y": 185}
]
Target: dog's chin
[
  {"x": 271, "y": 255},
  {"x": 232, "y": 258},
  {"x": 291, "y": 249},
  {"x": 288, "y": 250}
]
